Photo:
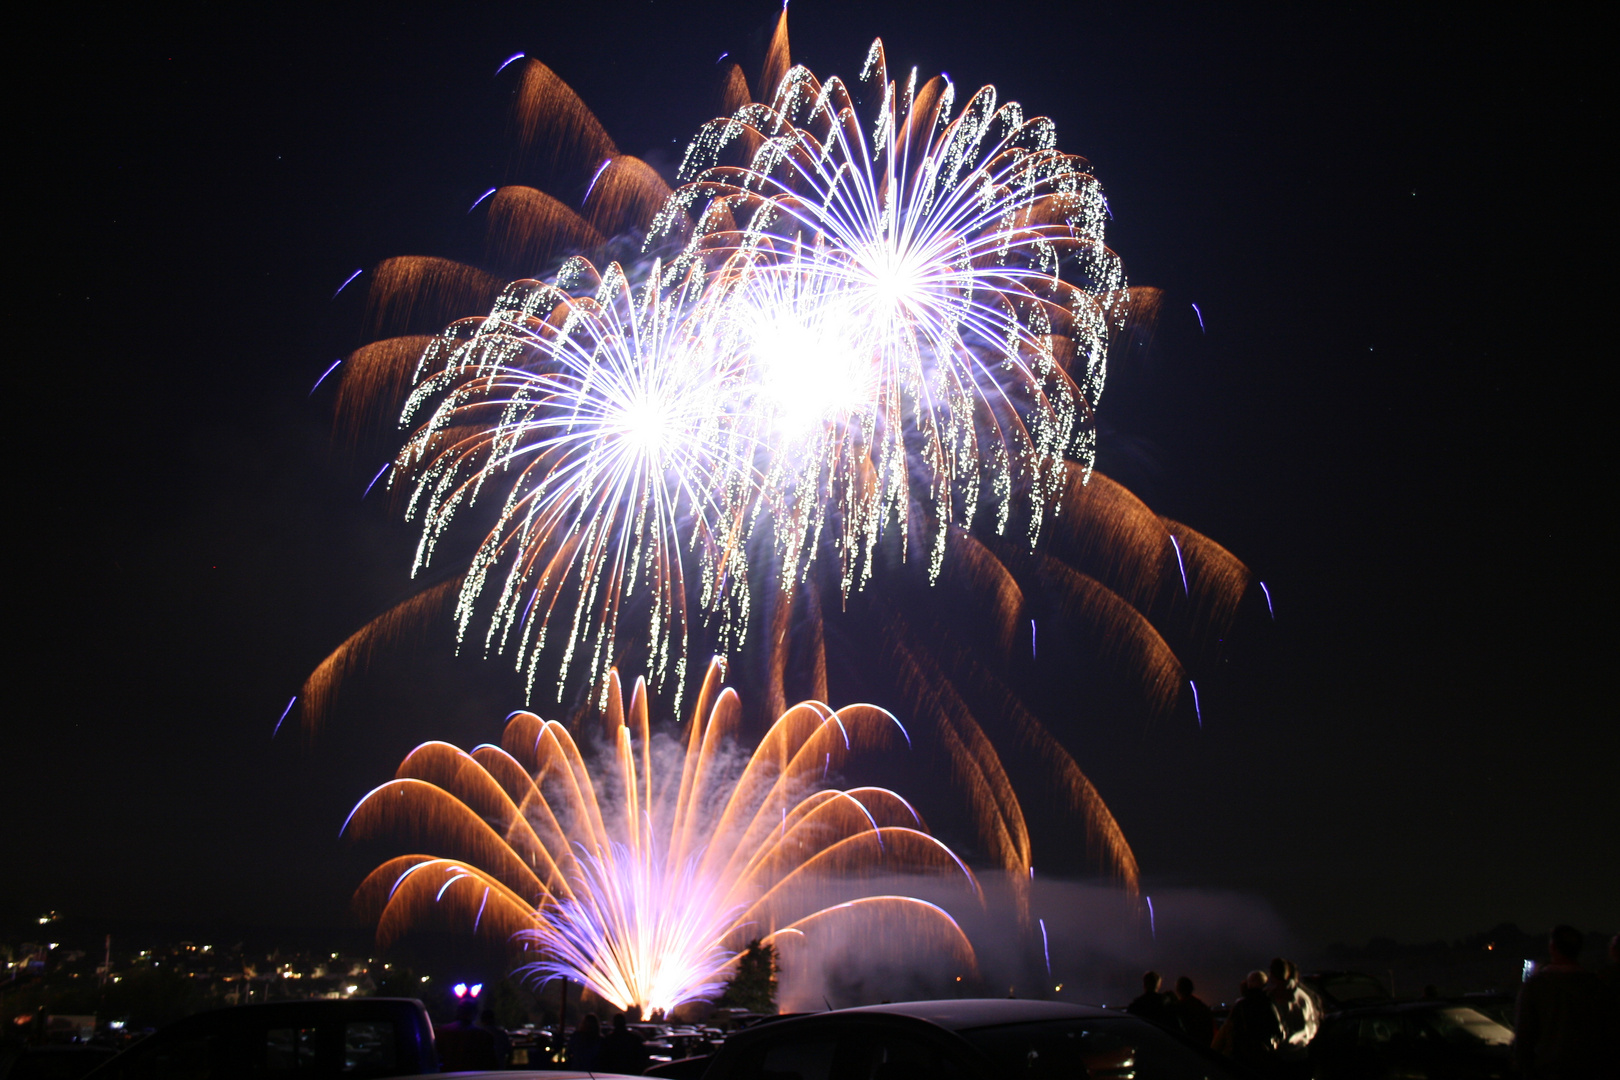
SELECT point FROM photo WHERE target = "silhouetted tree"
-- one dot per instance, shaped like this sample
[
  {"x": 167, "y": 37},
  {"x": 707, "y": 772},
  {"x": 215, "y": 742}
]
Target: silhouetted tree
[
  {"x": 512, "y": 1003},
  {"x": 753, "y": 985}
]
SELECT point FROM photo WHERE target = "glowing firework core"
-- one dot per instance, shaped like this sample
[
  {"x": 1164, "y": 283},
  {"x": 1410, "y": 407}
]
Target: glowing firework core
[{"x": 811, "y": 371}]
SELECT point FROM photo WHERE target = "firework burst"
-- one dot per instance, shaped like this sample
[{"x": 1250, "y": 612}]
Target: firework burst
[
  {"x": 949, "y": 289},
  {"x": 866, "y": 323},
  {"x": 644, "y": 879},
  {"x": 604, "y": 415},
  {"x": 866, "y": 314}
]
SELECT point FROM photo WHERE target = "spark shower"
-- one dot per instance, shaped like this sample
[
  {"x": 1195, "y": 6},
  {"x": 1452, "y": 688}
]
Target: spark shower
[
  {"x": 860, "y": 315},
  {"x": 645, "y": 880}
]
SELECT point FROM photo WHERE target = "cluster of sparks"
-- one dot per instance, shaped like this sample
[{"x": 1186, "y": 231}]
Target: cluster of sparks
[
  {"x": 861, "y": 311},
  {"x": 645, "y": 880}
]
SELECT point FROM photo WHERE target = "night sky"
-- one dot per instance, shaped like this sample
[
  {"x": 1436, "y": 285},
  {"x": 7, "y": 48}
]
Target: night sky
[{"x": 1390, "y": 221}]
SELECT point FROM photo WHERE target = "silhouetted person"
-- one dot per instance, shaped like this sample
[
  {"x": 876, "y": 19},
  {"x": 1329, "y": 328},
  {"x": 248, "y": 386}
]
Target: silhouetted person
[
  {"x": 1611, "y": 971},
  {"x": 463, "y": 1044},
  {"x": 1197, "y": 1021},
  {"x": 622, "y": 1051},
  {"x": 503, "y": 1042},
  {"x": 1300, "y": 1015},
  {"x": 1562, "y": 1025},
  {"x": 1253, "y": 1030},
  {"x": 1152, "y": 1004},
  {"x": 585, "y": 1044}
]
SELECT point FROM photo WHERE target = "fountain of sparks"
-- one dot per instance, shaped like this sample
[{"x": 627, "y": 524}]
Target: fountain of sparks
[{"x": 645, "y": 878}]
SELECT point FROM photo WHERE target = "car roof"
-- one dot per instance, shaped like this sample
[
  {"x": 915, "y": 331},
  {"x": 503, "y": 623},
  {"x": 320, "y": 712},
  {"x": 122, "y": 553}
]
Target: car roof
[
  {"x": 312, "y": 1010},
  {"x": 1426, "y": 1005},
  {"x": 564, "y": 1073},
  {"x": 963, "y": 1014}
]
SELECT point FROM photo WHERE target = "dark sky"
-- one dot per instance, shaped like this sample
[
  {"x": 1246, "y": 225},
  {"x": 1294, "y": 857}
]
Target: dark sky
[{"x": 1390, "y": 220}]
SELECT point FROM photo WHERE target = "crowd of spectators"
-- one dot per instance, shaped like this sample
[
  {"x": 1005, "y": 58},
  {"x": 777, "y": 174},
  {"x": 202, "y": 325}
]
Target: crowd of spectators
[{"x": 1566, "y": 1020}]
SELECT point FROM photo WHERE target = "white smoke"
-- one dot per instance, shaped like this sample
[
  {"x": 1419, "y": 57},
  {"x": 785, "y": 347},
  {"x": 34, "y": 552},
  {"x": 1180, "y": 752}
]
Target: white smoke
[{"x": 1098, "y": 939}]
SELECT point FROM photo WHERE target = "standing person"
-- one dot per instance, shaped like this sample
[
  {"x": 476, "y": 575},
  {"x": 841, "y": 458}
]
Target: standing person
[
  {"x": 1197, "y": 1021},
  {"x": 503, "y": 1042},
  {"x": 585, "y": 1044},
  {"x": 1300, "y": 1016},
  {"x": 1611, "y": 971},
  {"x": 1253, "y": 1031},
  {"x": 463, "y": 1044},
  {"x": 622, "y": 1051},
  {"x": 1561, "y": 1023},
  {"x": 1153, "y": 1005}
]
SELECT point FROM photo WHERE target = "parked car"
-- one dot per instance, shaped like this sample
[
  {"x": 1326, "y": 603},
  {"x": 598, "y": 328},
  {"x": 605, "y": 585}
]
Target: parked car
[
  {"x": 363, "y": 1037},
  {"x": 672, "y": 1042},
  {"x": 1499, "y": 1005},
  {"x": 691, "y": 1068},
  {"x": 354, "y": 1039},
  {"x": 1346, "y": 989},
  {"x": 67, "y": 1062},
  {"x": 1416, "y": 1040},
  {"x": 534, "y": 1046},
  {"x": 973, "y": 1039}
]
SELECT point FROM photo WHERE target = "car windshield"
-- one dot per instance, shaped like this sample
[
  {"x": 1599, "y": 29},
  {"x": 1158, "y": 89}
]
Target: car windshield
[
  {"x": 1464, "y": 1025},
  {"x": 1116, "y": 1047}
]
